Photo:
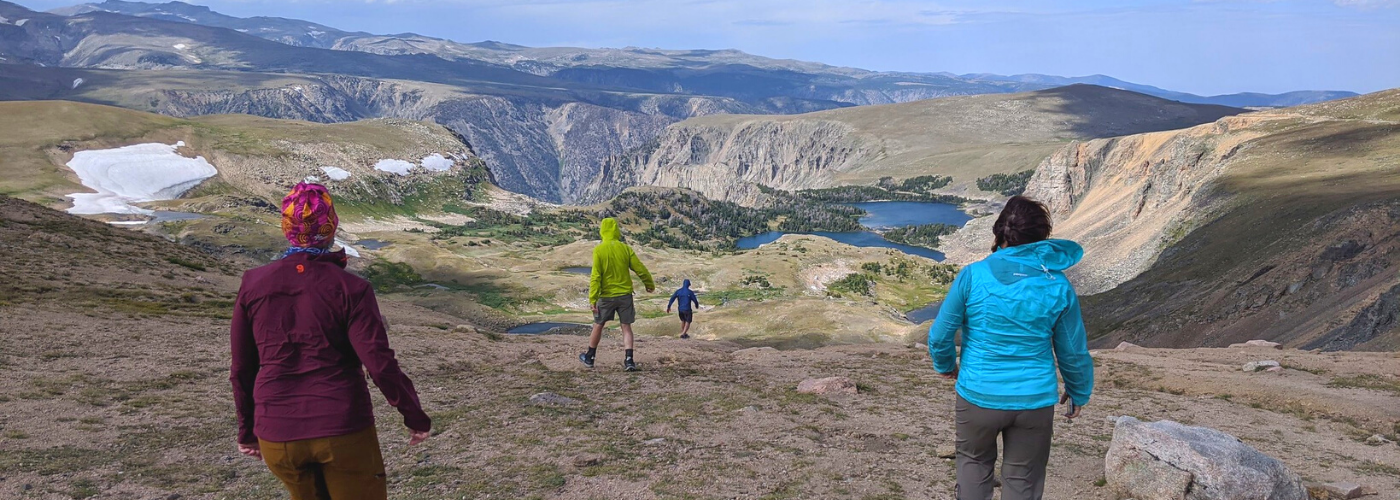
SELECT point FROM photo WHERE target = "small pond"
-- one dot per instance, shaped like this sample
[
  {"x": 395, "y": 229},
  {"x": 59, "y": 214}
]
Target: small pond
[
  {"x": 923, "y": 314},
  {"x": 372, "y": 244},
  {"x": 545, "y": 327},
  {"x": 578, "y": 270},
  {"x": 882, "y": 215}
]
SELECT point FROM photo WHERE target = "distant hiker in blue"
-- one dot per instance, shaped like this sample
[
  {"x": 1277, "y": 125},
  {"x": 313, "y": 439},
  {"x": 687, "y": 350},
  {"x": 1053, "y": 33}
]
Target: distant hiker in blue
[
  {"x": 1020, "y": 319},
  {"x": 686, "y": 297}
]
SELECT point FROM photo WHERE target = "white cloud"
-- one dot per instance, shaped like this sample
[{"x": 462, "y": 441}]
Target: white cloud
[{"x": 1367, "y": 4}]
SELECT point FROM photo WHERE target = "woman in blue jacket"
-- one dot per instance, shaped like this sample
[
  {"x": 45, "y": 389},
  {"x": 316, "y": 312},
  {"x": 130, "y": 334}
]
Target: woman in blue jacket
[{"x": 1020, "y": 319}]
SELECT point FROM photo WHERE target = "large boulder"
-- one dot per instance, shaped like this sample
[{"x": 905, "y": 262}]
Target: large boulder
[{"x": 1170, "y": 461}]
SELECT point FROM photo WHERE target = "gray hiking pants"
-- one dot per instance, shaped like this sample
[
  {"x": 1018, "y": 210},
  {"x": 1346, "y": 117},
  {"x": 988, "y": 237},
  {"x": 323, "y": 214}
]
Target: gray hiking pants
[{"x": 1026, "y": 435}]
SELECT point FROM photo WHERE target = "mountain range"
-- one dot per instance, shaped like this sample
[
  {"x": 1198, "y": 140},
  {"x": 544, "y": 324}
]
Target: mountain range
[{"x": 545, "y": 120}]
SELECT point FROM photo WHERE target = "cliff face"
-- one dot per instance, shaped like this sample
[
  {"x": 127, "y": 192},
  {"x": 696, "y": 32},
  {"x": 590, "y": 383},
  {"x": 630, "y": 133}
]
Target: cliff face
[
  {"x": 1277, "y": 225},
  {"x": 964, "y": 137},
  {"x": 728, "y": 163}
]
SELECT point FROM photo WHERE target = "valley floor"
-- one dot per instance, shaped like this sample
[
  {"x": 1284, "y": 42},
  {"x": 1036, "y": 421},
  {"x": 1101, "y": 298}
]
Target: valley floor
[{"x": 136, "y": 405}]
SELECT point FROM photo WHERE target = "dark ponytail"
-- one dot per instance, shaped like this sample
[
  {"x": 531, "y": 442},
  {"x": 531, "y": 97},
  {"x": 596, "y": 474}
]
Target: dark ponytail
[{"x": 1022, "y": 222}]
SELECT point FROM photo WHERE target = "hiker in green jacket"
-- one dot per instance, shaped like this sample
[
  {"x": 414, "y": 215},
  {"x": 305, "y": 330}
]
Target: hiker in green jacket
[{"x": 610, "y": 290}]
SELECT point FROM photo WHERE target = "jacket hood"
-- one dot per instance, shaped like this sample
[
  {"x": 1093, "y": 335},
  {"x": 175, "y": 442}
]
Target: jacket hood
[
  {"x": 685, "y": 284},
  {"x": 1054, "y": 255},
  {"x": 609, "y": 230}
]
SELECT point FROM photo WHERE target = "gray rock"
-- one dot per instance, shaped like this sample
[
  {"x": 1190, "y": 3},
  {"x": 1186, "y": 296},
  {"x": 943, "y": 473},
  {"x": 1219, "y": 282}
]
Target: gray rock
[
  {"x": 829, "y": 385},
  {"x": 1339, "y": 491},
  {"x": 947, "y": 451},
  {"x": 1258, "y": 343},
  {"x": 1124, "y": 346},
  {"x": 1377, "y": 440},
  {"x": 552, "y": 399},
  {"x": 1257, "y": 366},
  {"x": 654, "y": 442},
  {"x": 1169, "y": 461}
]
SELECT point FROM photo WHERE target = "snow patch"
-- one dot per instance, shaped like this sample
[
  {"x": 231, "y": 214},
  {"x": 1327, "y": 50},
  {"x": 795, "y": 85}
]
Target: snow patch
[
  {"x": 350, "y": 251},
  {"x": 394, "y": 166},
  {"x": 127, "y": 222},
  {"x": 134, "y": 174},
  {"x": 315, "y": 33},
  {"x": 181, "y": 46},
  {"x": 4, "y": 20},
  {"x": 21, "y": 22},
  {"x": 336, "y": 173},
  {"x": 77, "y": 82},
  {"x": 437, "y": 163},
  {"x": 242, "y": 30}
]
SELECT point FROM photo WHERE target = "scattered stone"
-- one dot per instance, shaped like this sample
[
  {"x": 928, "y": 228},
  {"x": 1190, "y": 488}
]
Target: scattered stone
[
  {"x": 654, "y": 442},
  {"x": 552, "y": 399},
  {"x": 1169, "y": 461},
  {"x": 1377, "y": 440},
  {"x": 948, "y": 451},
  {"x": 1274, "y": 369},
  {"x": 1258, "y": 343},
  {"x": 1339, "y": 491},
  {"x": 1123, "y": 346},
  {"x": 829, "y": 385},
  {"x": 754, "y": 350},
  {"x": 747, "y": 409},
  {"x": 1256, "y": 366},
  {"x": 583, "y": 461}
]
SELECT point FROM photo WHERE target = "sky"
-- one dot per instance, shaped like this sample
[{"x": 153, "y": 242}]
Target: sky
[{"x": 1201, "y": 46}]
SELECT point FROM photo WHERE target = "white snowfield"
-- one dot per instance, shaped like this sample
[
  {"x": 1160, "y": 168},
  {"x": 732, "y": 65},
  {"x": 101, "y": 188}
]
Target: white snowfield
[
  {"x": 134, "y": 174},
  {"x": 77, "y": 82},
  {"x": 394, "y": 166},
  {"x": 437, "y": 163},
  {"x": 336, "y": 173}
]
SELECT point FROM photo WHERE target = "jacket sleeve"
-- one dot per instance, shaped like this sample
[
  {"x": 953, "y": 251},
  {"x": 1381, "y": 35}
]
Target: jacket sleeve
[
  {"x": 641, "y": 270},
  {"x": 243, "y": 370},
  {"x": 595, "y": 280},
  {"x": 951, "y": 317},
  {"x": 1071, "y": 345},
  {"x": 695, "y": 299},
  {"x": 674, "y": 296},
  {"x": 371, "y": 344}
]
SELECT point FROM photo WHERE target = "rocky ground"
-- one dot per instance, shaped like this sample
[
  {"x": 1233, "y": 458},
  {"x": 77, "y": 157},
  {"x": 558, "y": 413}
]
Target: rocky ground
[
  {"x": 121, "y": 405},
  {"x": 113, "y": 384}
]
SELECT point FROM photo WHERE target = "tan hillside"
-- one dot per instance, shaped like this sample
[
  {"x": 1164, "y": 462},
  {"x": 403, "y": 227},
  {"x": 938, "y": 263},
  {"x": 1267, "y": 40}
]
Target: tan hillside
[
  {"x": 1276, "y": 224},
  {"x": 116, "y": 386},
  {"x": 966, "y": 137}
]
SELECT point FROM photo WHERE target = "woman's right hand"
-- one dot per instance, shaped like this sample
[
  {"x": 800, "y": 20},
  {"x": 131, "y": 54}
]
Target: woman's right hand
[
  {"x": 950, "y": 376},
  {"x": 1074, "y": 413}
]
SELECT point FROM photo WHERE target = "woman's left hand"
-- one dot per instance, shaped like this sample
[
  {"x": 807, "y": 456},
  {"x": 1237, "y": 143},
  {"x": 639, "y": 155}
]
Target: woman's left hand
[{"x": 950, "y": 376}]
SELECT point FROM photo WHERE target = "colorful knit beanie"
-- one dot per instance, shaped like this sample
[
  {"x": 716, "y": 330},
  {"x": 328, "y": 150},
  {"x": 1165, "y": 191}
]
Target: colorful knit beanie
[{"x": 308, "y": 216}]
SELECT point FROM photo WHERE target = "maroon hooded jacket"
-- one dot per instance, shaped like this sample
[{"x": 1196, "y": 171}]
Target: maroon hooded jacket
[{"x": 302, "y": 326}]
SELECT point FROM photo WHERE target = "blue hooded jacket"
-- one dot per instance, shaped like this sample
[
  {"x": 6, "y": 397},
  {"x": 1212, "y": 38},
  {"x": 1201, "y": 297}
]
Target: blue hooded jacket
[
  {"x": 685, "y": 296},
  {"x": 1019, "y": 317}
]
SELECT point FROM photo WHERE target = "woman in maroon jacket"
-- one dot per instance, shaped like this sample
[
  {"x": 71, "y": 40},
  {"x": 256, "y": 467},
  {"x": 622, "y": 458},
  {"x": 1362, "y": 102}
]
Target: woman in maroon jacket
[{"x": 302, "y": 327}]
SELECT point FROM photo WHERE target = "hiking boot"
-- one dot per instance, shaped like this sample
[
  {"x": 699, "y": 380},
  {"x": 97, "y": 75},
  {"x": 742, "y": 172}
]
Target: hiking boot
[
  {"x": 629, "y": 366},
  {"x": 685, "y": 335},
  {"x": 586, "y": 360}
]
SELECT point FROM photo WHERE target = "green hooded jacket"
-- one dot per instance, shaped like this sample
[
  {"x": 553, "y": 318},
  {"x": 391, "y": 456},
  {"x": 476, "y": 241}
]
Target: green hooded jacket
[{"x": 612, "y": 259}]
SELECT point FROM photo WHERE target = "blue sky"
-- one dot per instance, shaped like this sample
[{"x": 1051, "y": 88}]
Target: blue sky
[{"x": 1199, "y": 46}]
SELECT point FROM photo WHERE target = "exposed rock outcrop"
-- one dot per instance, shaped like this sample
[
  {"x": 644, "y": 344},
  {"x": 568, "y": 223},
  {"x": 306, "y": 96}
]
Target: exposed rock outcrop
[{"x": 1169, "y": 461}]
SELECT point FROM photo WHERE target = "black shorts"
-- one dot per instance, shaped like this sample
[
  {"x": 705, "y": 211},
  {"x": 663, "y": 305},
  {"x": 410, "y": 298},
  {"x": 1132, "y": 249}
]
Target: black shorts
[
  {"x": 686, "y": 316},
  {"x": 621, "y": 307}
]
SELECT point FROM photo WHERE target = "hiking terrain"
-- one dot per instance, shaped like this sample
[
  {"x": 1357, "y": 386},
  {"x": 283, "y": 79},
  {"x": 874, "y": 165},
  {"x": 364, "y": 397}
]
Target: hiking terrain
[{"x": 129, "y": 398}]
